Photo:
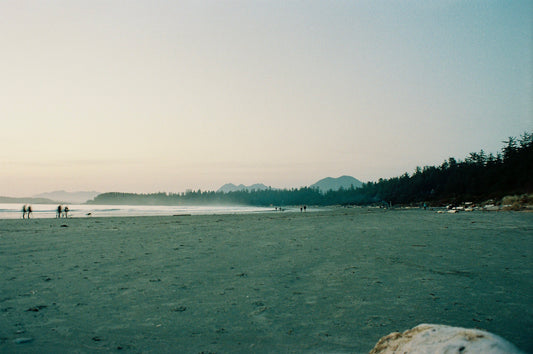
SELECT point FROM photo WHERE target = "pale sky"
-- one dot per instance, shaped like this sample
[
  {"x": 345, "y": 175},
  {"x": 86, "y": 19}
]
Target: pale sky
[{"x": 148, "y": 96}]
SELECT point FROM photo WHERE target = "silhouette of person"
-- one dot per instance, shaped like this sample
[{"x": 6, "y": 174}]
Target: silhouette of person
[
  {"x": 24, "y": 210},
  {"x": 29, "y": 211},
  {"x": 66, "y": 212},
  {"x": 58, "y": 211},
  {"x": 305, "y": 207}
]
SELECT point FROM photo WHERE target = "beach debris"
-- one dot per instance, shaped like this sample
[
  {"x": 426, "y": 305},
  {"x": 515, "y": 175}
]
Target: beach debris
[
  {"x": 36, "y": 308},
  {"x": 179, "y": 309},
  {"x": 23, "y": 340},
  {"x": 432, "y": 338},
  {"x": 64, "y": 225}
]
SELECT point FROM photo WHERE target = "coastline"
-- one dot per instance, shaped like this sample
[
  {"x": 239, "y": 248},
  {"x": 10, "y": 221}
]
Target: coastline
[
  {"x": 49, "y": 211},
  {"x": 327, "y": 281}
]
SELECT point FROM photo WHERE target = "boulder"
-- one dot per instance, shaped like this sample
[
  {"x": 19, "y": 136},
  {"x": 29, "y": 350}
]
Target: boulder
[{"x": 431, "y": 338}]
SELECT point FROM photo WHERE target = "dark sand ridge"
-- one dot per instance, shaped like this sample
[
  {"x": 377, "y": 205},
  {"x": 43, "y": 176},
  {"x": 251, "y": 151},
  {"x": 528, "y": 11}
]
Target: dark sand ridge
[{"x": 330, "y": 281}]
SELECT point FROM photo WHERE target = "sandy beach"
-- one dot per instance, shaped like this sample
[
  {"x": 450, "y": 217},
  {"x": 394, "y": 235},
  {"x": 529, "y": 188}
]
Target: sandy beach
[{"x": 328, "y": 281}]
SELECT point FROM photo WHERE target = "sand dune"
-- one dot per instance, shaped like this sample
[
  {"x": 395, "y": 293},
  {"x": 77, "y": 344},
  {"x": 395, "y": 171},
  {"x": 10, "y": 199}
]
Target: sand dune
[{"x": 328, "y": 281}]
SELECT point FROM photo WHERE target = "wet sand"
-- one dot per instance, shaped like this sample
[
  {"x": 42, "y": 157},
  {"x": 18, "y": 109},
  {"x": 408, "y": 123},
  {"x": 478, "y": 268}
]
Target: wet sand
[{"x": 328, "y": 281}]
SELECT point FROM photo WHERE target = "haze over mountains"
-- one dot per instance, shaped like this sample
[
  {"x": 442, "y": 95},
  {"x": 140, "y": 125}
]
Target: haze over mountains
[
  {"x": 80, "y": 197},
  {"x": 324, "y": 185},
  {"x": 329, "y": 183},
  {"x": 54, "y": 197},
  {"x": 68, "y": 197}
]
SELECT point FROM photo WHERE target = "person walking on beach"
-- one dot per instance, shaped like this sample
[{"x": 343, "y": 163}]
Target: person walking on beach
[
  {"x": 66, "y": 212},
  {"x": 29, "y": 211},
  {"x": 59, "y": 209},
  {"x": 24, "y": 210}
]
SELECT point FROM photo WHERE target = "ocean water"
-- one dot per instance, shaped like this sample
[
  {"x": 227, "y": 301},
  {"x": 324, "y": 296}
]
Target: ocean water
[{"x": 39, "y": 211}]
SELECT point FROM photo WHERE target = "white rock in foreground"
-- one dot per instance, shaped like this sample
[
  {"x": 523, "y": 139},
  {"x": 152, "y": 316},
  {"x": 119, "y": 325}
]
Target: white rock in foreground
[{"x": 430, "y": 338}]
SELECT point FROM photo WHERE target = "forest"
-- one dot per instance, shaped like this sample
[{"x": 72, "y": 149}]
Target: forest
[{"x": 477, "y": 178}]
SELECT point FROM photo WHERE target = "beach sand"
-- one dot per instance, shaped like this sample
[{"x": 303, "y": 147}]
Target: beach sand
[{"x": 326, "y": 281}]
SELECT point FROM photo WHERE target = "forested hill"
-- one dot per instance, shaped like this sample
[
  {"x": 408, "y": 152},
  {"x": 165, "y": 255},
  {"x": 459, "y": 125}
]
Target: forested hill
[{"x": 477, "y": 178}]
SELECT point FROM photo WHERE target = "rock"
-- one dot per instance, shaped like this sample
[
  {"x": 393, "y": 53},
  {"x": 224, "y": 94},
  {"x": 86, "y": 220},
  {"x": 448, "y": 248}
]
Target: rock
[
  {"x": 36, "y": 308},
  {"x": 23, "y": 340},
  {"x": 431, "y": 338}
]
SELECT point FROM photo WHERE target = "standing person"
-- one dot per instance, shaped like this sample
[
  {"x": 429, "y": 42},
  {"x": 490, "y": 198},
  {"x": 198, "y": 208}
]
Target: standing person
[
  {"x": 305, "y": 207},
  {"x": 29, "y": 211},
  {"x": 24, "y": 210},
  {"x": 59, "y": 209},
  {"x": 66, "y": 212}
]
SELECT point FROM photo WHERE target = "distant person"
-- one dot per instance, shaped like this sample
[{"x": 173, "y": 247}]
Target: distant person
[
  {"x": 301, "y": 209},
  {"x": 305, "y": 207},
  {"x": 66, "y": 212},
  {"x": 59, "y": 210},
  {"x": 29, "y": 211},
  {"x": 24, "y": 210}
]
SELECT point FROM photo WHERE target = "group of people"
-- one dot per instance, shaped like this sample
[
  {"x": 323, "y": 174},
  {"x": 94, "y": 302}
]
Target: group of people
[
  {"x": 62, "y": 211},
  {"x": 26, "y": 211}
]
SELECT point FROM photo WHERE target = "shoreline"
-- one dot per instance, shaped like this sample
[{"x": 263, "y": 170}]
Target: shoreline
[{"x": 49, "y": 211}]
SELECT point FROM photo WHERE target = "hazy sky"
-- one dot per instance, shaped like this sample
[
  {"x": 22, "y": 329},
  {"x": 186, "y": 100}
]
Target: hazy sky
[{"x": 147, "y": 96}]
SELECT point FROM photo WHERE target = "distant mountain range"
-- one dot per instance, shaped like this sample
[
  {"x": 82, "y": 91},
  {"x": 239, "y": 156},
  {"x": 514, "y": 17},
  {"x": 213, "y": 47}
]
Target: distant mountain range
[
  {"x": 29, "y": 200},
  {"x": 335, "y": 184},
  {"x": 323, "y": 185},
  {"x": 80, "y": 197},
  {"x": 230, "y": 187},
  {"x": 69, "y": 197}
]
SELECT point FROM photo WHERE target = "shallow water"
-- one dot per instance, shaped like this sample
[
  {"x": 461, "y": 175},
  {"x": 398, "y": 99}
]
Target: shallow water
[{"x": 14, "y": 211}]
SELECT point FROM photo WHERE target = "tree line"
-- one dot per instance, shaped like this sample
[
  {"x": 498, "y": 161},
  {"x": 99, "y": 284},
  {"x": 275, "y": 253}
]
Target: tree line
[{"x": 480, "y": 176}]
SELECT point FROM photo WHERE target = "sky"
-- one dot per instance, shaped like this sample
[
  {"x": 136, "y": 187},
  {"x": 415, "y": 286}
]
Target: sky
[{"x": 152, "y": 95}]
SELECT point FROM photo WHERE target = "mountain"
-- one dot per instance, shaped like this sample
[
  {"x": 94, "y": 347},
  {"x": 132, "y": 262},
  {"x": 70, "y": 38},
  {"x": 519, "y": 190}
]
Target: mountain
[
  {"x": 27, "y": 200},
  {"x": 335, "y": 184},
  {"x": 230, "y": 187},
  {"x": 69, "y": 197}
]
